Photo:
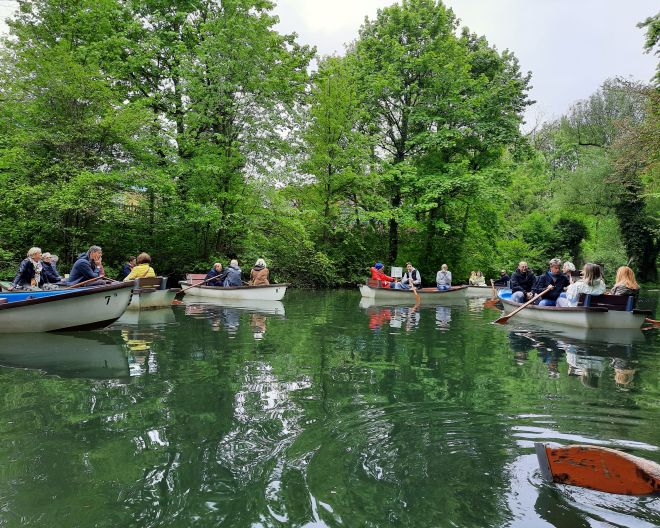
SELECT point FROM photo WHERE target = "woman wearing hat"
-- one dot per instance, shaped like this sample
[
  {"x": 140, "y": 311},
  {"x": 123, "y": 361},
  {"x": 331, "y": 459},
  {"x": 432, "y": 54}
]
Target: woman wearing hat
[{"x": 377, "y": 274}]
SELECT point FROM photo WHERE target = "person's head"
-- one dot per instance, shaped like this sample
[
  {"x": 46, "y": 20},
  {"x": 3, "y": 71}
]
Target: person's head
[
  {"x": 444, "y": 267},
  {"x": 378, "y": 265},
  {"x": 555, "y": 265},
  {"x": 234, "y": 263},
  {"x": 502, "y": 272},
  {"x": 46, "y": 257},
  {"x": 626, "y": 276},
  {"x": 522, "y": 266},
  {"x": 95, "y": 252},
  {"x": 568, "y": 267},
  {"x": 472, "y": 273},
  {"x": 34, "y": 253},
  {"x": 260, "y": 262},
  {"x": 590, "y": 273},
  {"x": 54, "y": 259},
  {"x": 131, "y": 261},
  {"x": 479, "y": 274},
  {"x": 409, "y": 266},
  {"x": 143, "y": 258},
  {"x": 217, "y": 266}
]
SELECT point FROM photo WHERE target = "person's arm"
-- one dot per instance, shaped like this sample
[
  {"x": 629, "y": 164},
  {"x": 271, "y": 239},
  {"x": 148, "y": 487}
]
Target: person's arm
[
  {"x": 19, "y": 273},
  {"x": 450, "y": 278},
  {"x": 418, "y": 282}
]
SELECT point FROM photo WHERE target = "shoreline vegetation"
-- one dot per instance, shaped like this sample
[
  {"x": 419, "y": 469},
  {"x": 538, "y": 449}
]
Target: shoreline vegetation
[{"x": 197, "y": 133}]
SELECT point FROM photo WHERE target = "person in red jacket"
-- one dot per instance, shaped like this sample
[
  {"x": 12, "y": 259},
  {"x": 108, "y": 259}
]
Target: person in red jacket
[{"x": 378, "y": 274}]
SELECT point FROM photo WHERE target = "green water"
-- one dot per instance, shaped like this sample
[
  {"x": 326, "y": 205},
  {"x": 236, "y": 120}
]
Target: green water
[{"x": 318, "y": 411}]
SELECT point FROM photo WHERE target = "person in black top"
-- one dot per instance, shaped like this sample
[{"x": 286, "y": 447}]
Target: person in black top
[
  {"x": 522, "y": 282},
  {"x": 553, "y": 277},
  {"x": 128, "y": 267},
  {"x": 503, "y": 280}
]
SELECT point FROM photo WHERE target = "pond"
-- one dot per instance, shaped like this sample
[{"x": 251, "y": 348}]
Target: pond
[{"x": 321, "y": 410}]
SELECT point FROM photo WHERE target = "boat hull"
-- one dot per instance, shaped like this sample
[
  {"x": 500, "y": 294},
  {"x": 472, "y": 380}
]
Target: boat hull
[
  {"x": 427, "y": 295},
  {"x": 271, "y": 292},
  {"x": 482, "y": 292},
  {"x": 582, "y": 317},
  {"x": 152, "y": 299},
  {"x": 76, "y": 309}
]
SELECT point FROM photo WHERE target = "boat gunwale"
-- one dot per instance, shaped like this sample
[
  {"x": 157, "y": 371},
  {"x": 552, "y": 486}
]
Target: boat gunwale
[
  {"x": 429, "y": 290},
  {"x": 63, "y": 294},
  {"x": 573, "y": 309}
]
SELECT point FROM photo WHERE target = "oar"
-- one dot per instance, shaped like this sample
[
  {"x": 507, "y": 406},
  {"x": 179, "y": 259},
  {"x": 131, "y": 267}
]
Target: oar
[
  {"x": 84, "y": 282},
  {"x": 417, "y": 297},
  {"x": 652, "y": 321},
  {"x": 195, "y": 285},
  {"x": 492, "y": 285},
  {"x": 505, "y": 318}
]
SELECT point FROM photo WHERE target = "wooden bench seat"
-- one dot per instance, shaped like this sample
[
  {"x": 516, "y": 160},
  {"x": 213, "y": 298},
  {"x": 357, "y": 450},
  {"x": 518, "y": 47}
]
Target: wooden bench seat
[{"x": 195, "y": 278}]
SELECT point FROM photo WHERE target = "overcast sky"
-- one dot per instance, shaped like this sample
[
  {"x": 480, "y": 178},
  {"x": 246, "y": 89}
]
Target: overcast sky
[{"x": 570, "y": 46}]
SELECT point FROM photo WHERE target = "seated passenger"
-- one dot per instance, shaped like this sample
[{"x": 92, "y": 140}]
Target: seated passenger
[
  {"x": 553, "y": 277},
  {"x": 142, "y": 269},
  {"x": 377, "y": 274},
  {"x": 233, "y": 277},
  {"x": 591, "y": 283},
  {"x": 215, "y": 277},
  {"x": 259, "y": 274},
  {"x": 410, "y": 278},
  {"x": 472, "y": 281},
  {"x": 522, "y": 282},
  {"x": 503, "y": 280},
  {"x": 87, "y": 266},
  {"x": 625, "y": 283},
  {"x": 568, "y": 269},
  {"x": 29, "y": 271},
  {"x": 127, "y": 268},
  {"x": 479, "y": 279},
  {"x": 443, "y": 278},
  {"x": 49, "y": 273}
]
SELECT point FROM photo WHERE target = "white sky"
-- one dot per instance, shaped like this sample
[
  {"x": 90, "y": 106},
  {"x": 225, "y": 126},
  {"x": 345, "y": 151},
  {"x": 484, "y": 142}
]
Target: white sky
[{"x": 570, "y": 46}]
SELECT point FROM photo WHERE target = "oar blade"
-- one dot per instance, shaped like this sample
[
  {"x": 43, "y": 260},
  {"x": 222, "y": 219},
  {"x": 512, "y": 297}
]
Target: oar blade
[{"x": 502, "y": 320}]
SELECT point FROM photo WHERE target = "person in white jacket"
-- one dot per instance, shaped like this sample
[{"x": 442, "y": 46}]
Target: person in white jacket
[
  {"x": 591, "y": 283},
  {"x": 443, "y": 278}
]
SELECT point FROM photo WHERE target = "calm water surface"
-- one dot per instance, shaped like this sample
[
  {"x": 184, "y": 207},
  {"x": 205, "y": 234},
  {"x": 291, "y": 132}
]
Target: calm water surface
[{"x": 318, "y": 411}]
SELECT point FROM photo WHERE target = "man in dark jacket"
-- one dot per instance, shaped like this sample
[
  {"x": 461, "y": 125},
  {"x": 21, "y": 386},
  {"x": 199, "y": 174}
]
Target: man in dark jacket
[
  {"x": 233, "y": 275},
  {"x": 128, "y": 267},
  {"x": 503, "y": 280},
  {"x": 553, "y": 277},
  {"x": 86, "y": 267},
  {"x": 522, "y": 282},
  {"x": 216, "y": 276}
]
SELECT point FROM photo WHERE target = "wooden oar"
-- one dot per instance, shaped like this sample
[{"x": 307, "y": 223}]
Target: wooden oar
[
  {"x": 598, "y": 468},
  {"x": 417, "y": 297},
  {"x": 492, "y": 285},
  {"x": 505, "y": 318},
  {"x": 84, "y": 282},
  {"x": 652, "y": 321},
  {"x": 198, "y": 284}
]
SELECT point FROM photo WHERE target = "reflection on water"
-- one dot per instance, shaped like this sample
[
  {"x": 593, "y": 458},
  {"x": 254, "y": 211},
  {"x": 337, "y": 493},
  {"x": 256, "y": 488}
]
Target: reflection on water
[{"x": 333, "y": 412}]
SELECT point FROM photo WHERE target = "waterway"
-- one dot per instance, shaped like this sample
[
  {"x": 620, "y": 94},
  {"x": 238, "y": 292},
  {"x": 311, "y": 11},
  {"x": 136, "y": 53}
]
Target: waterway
[{"x": 318, "y": 411}]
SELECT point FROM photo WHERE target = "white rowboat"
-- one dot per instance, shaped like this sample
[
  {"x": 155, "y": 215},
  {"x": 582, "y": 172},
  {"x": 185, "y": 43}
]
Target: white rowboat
[
  {"x": 582, "y": 316},
  {"x": 270, "y": 292},
  {"x": 152, "y": 292},
  {"x": 75, "y": 309},
  {"x": 427, "y": 295}
]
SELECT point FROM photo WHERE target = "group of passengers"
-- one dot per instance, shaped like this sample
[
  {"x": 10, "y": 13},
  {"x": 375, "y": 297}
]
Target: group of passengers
[
  {"x": 39, "y": 271},
  {"x": 563, "y": 289},
  {"x": 562, "y": 283},
  {"x": 231, "y": 275}
]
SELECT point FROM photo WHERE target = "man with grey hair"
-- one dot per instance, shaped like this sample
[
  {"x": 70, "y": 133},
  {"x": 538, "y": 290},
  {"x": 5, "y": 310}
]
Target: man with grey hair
[
  {"x": 233, "y": 277},
  {"x": 49, "y": 273},
  {"x": 553, "y": 277},
  {"x": 87, "y": 267}
]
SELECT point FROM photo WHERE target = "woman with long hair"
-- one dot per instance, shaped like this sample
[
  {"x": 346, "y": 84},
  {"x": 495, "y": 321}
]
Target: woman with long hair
[
  {"x": 625, "y": 283},
  {"x": 590, "y": 283}
]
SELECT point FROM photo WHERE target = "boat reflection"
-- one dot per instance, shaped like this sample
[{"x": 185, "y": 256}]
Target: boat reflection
[
  {"x": 160, "y": 316},
  {"x": 86, "y": 355},
  {"x": 395, "y": 317},
  {"x": 589, "y": 353},
  {"x": 227, "y": 315}
]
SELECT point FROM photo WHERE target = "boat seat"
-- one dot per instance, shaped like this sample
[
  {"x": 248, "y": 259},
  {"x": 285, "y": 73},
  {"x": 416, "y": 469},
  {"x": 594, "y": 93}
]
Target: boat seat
[
  {"x": 618, "y": 303},
  {"x": 149, "y": 282},
  {"x": 195, "y": 278}
]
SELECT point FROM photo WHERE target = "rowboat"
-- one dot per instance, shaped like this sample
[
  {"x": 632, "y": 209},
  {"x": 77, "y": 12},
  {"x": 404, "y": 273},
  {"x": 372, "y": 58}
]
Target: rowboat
[
  {"x": 75, "y": 309},
  {"x": 89, "y": 355},
  {"x": 269, "y": 292},
  {"x": 427, "y": 295},
  {"x": 606, "y": 311},
  {"x": 598, "y": 468},
  {"x": 152, "y": 292}
]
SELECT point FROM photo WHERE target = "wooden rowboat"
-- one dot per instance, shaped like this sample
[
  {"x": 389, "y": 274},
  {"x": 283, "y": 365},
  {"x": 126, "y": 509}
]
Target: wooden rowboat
[
  {"x": 427, "y": 295},
  {"x": 606, "y": 311},
  {"x": 75, "y": 309},
  {"x": 598, "y": 468},
  {"x": 151, "y": 293},
  {"x": 269, "y": 292}
]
